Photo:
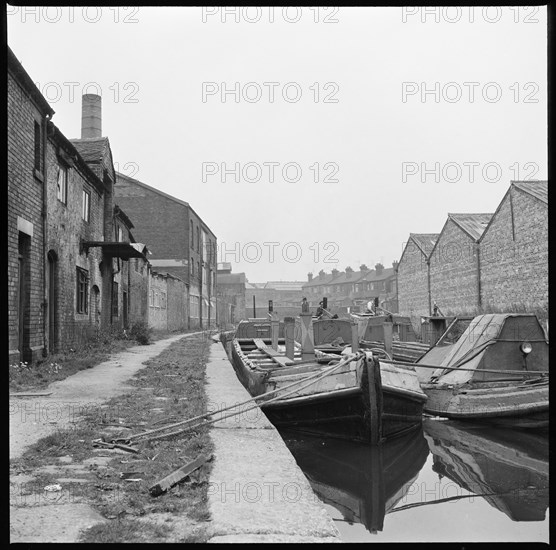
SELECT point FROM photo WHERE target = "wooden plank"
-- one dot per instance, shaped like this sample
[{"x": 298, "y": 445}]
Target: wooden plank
[
  {"x": 179, "y": 475},
  {"x": 274, "y": 355},
  {"x": 375, "y": 400}
]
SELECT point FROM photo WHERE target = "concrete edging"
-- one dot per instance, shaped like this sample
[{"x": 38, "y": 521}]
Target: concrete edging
[{"x": 257, "y": 492}]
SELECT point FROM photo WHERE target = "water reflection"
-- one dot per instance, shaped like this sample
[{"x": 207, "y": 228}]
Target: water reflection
[
  {"x": 421, "y": 480},
  {"x": 507, "y": 467},
  {"x": 364, "y": 483}
]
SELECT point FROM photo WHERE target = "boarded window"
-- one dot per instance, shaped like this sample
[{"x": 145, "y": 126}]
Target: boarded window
[
  {"x": 62, "y": 185},
  {"x": 82, "y": 291},
  {"x": 38, "y": 146},
  {"x": 163, "y": 300},
  {"x": 115, "y": 299},
  {"x": 86, "y": 206}
]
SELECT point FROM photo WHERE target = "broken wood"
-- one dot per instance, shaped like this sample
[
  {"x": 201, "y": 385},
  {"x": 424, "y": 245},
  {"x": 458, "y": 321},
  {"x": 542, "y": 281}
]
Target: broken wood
[
  {"x": 104, "y": 444},
  {"x": 179, "y": 475}
]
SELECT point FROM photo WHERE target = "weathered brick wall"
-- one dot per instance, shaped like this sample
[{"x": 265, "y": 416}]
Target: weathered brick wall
[
  {"x": 158, "y": 310},
  {"x": 158, "y": 221},
  {"x": 453, "y": 272},
  {"x": 138, "y": 291},
  {"x": 177, "y": 304},
  {"x": 413, "y": 286},
  {"x": 231, "y": 295},
  {"x": 24, "y": 200},
  {"x": 514, "y": 271},
  {"x": 66, "y": 230}
]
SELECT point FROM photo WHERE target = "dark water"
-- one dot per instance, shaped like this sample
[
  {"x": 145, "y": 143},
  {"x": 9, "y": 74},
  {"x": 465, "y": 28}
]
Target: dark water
[{"x": 450, "y": 481}]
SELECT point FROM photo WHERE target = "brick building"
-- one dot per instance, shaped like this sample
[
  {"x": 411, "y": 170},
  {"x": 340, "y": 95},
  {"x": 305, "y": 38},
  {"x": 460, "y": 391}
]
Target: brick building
[
  {"x": 454, "y": 264},
  {"x": 180, "y": 243},
  {"x": 413, "y": 275},
  {"x": 230, "y": 295},
  {"x": 514, "y": 250},
  {"x": 62, "y": 280},
  {"x": 352, "y": 290},
  {"x": 27, "y": 118}
]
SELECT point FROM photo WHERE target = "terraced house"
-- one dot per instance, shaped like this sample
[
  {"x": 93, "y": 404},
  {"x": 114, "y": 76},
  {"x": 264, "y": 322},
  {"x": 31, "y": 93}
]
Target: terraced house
[{"x": 65, "y": 273}]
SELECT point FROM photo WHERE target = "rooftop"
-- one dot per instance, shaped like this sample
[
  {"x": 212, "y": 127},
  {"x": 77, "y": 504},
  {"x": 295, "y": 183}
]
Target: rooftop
[
  {"x": 473, "y": 224},
  {"x": 537, "y": 188},
  {"x": 425, "y": 241}
]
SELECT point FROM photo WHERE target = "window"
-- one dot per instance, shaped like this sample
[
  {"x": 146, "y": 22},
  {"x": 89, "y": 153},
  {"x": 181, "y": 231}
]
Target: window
[
  {"x": 198, "y": 241},
  {"x": 192, "y": 233},
  {"x": 119, "y": 234},
  {"x": 151, "y": 301},
  {"x": 114, "y": 299},
  {"x": 192, "y": 264},
  {"x": 82, "y": 291},
  {"x": 199, "y": 269},
  {"x": 38, "y": 146},
  {"x": 86, "y": 206},
  {"x": 163, "y": 300},
  {"x": 62, "y": 185}
]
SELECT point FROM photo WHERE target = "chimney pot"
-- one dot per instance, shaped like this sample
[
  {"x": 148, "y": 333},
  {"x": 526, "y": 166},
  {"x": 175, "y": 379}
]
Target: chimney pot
[
  {"x": 91, "y": 116},
  {"x": 309, "y": 277}
]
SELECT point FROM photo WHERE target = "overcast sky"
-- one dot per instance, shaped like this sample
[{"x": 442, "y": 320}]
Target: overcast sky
[{"x": 371, "y": 107}]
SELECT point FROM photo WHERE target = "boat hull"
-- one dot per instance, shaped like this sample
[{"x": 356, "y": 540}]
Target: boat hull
[
  {"x": 343, "y": 413},
  {"x": 515, "y": 405}
]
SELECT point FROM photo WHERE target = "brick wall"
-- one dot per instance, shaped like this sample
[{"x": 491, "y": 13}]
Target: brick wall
[
  {"x": 66, "y": 230},
  {"x": 453, "y": 271},
  {"x": 177, "y": 304},
  {"x": 24, "y": 202},
  {"x": 413, "y": 287},
  {"x": 158, "y": 301},
  {"x": 514, "y": 264},
  {"x": 139, "y": 274}
]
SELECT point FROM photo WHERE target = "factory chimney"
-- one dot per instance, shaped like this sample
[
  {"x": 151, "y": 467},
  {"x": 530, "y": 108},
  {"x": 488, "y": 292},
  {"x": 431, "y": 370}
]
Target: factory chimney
[{"x": 91, "y": 116}]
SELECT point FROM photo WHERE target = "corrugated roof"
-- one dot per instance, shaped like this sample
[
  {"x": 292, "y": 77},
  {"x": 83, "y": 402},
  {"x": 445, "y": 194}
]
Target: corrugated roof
[
  {"x": 537, "y": 188},
  {"x": 91, "y": 149},
  {"x": 425, "y": 241},
  {"x": 473, "y": 224}
]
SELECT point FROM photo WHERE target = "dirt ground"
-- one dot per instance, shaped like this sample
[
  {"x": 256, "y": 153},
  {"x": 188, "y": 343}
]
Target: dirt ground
[{"x": 41, "y": 515}]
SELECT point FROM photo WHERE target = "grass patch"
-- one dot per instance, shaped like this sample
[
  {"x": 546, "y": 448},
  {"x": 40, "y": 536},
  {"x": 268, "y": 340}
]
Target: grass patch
[
  {"x": 170, "y": 387},
  {"x": 60, "y": 365}
]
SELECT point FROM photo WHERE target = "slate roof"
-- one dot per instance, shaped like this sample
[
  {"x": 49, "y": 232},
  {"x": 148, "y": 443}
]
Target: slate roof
[
  {"x": 91, "y": 149},
  {"x": 425, "y": 241},
  {"x": 385, "y": 274},
  {"x": 284, "y": 285},
  {"x": 537, "y": 188},
  {"x": 473, "y": 224},
  {"x": 231, "y": 279}
]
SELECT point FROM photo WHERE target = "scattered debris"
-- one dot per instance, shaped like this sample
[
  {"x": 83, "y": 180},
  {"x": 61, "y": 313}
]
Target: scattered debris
[
  {"x": 104, "y": 444},
  {"x": 179, "y": 475},
  {"x": 53, "y": 488}
]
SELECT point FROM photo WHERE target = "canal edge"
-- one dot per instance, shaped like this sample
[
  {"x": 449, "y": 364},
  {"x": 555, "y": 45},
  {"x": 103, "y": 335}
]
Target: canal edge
[{"x": 257, "y": 492}]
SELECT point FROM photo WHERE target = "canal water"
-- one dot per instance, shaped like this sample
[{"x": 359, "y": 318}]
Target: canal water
[{"x": 447, "y": 482}]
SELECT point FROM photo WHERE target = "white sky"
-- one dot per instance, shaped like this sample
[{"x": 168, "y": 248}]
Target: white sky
[{"x": 163, "y": 138}]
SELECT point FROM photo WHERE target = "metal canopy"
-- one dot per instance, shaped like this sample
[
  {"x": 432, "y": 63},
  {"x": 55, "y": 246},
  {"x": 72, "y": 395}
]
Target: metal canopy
[{"x": 123, "y": 250}]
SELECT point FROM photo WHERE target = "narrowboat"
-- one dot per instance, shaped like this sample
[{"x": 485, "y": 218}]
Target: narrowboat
[
  {"x": 496, "y": 372},
  {"x": 350, "y": 395}
]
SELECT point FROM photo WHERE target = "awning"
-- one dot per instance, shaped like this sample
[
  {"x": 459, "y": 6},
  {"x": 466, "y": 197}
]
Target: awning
[{"x": 122, "y": 250}]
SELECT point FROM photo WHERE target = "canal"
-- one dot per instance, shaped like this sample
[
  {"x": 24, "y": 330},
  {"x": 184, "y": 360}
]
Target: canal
[{"x": 449, "y": 481}]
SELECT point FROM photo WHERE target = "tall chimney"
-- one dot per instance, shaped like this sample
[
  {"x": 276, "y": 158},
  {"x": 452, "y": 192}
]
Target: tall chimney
[
  {"x": 309, "y": 277},
  {"x": 91, "y": 116},
  {"x": 379, "y": 267}
]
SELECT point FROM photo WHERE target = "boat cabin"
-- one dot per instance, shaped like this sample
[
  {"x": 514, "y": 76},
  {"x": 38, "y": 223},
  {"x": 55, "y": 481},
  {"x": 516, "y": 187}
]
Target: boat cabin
[{"x": 502, "y": 341}]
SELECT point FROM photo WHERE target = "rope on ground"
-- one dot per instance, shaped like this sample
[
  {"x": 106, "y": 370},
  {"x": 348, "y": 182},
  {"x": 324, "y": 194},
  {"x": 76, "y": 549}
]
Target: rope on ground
[{"x": 315, "y": 376}]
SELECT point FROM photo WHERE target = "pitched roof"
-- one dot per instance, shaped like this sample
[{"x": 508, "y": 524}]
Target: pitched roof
[
  {"x": 425, "y": 241},
  {"x": 473, "y": 224},
  {"x": 384, "y": 274},
  {"x": 15, "y": 66},
  {"x": 316, "y": 280},
  {"x": 91, "y": 149},
  {"x": 536, "y": 188}
]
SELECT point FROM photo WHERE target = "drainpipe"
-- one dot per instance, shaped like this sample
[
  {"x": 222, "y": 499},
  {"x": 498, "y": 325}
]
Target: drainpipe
[
  {"x": 479, "y": 300},
  {"x": 46, "y": 305},
  {"x": 429, "y": 285}
]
